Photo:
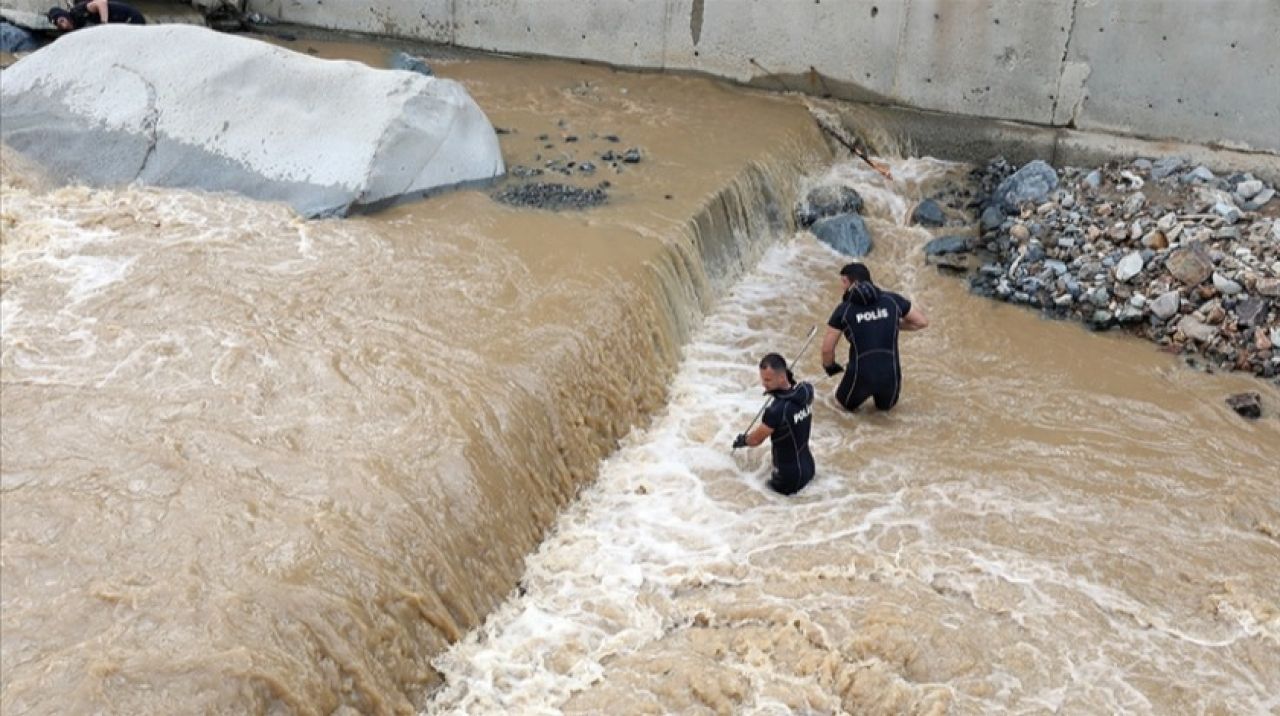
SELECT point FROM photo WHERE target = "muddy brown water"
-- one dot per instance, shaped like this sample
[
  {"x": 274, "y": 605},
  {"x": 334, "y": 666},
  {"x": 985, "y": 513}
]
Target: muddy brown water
[{"x": 252, "y": 463}]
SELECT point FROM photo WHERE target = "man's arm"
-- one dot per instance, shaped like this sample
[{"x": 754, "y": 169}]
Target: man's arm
[
  {"x": 100, "y": 7},
  {"x": 759, "y": 435},
  {"x": 915, "y": 320},
  {"x": 829, "y": 342}
]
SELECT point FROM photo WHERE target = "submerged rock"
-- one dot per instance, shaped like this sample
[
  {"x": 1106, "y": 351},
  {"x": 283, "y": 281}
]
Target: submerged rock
[
  {"x": 190, "y": 107},
  {"x": 1247, "y": 405}
]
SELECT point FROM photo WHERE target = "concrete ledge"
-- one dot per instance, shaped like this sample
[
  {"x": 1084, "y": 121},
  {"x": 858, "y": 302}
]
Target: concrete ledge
[
  {"x": 894, "y": 130},
  {"x": 1156, "y": 68}
]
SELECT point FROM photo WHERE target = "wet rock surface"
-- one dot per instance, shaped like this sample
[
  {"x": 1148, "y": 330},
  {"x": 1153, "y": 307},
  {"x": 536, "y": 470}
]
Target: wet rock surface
[
  {"x": 1159, "y": 248},
  {"x": 1248, "y": 405},
  {"x": 846, "y": 233},
  {"x": 831, "y": 213},
  {"x": 827, "y": 200}
]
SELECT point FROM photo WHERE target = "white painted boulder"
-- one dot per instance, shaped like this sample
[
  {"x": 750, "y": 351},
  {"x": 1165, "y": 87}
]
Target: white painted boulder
[{"x": 184, "y": 106}]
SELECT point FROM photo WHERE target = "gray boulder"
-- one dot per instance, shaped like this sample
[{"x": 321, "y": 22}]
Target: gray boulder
[
  {"x": 928, "y": 213},
  {"x": 189, "y": 107},
  {"x": 846, "y": 233},
  {"x": 947, "y": 245},
  {"x": 827, "y": 200},
  {"x": 1033, "y": 183},
  {"x": 992, "y": 218}
]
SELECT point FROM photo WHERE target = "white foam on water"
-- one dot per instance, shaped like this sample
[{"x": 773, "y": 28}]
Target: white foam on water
[
  {"x": 649, "y": 524},
  {"x": 674, "y": 511}
]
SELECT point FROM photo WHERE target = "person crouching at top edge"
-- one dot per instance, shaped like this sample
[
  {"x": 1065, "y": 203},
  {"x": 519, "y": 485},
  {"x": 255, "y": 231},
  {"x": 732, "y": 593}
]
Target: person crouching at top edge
[
  {"x": 786, "y": 423},
  {"x": 94, "y": 12},
  {"x": 870, "y": 318}
]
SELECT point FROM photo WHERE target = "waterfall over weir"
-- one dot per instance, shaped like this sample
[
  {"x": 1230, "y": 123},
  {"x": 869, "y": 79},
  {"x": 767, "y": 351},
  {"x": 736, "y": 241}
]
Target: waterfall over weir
[
  {"x": 255, "y": 463},
  {"x": 461, "y": 457}
]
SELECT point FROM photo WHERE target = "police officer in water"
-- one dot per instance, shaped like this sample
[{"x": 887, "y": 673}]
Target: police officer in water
[
  {"x": 786, "y": 422},
  {"x": 870, "y": 318}
]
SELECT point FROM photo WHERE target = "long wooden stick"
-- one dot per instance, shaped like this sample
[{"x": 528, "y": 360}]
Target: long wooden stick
[{"x": 858, "y": 152}]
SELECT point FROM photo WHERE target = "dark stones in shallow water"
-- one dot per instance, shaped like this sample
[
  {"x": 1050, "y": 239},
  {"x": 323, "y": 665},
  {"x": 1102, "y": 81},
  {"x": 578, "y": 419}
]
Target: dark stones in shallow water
[
  {"x": 552, "y": 196},
  {"x": 928, "y": 213},
  {"x": 846, "y": 233},
  {"x": 825, "y": 201},
  {"x": 1248, "y": 405},
  {"x": 992, "y": 218},
  {"x": 947, "y": 245}
]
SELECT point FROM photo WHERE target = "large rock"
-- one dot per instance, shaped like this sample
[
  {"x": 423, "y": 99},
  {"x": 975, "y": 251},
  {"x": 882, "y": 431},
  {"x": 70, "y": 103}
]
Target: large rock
[
  {"x": 947, "y": 245},
  {"x": 846, "y": 233},
  {"x": 1032, "y": 183},
  {"x": 928, "y": 213},
  {"x": 185, "y": 106},
  {"x": 825, "y": 201}
]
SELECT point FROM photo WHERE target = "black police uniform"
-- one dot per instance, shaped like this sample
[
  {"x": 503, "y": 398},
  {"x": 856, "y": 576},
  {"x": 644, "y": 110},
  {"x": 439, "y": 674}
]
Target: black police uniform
[
  {"x": 791, "y": 416},
  {"x": 117, "y": 13},
  {"x": 868, "y": 317}
]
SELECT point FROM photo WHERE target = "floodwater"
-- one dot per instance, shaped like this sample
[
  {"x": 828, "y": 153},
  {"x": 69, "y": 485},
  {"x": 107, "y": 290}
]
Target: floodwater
[
  {"x": 254, "y": 463},
  {"x": 258, "y": 464},
  {"x": 1051, "y": 521}
]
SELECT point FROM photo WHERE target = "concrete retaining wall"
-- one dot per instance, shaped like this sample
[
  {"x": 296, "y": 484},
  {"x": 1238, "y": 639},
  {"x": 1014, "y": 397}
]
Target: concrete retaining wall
[{"x": 1175, "y": 69}]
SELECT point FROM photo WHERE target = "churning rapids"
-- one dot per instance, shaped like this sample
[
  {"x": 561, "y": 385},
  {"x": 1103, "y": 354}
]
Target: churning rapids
[
  {"x": 257, "y": 464},
  {"x": 1050, "y": 522}
]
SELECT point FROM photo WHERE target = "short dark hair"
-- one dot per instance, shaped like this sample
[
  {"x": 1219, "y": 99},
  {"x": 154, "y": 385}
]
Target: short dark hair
[
  {"x": 57, "y": 12},
  {"x": 773, "y": 361},
  {"x": 856, "y": 272}
]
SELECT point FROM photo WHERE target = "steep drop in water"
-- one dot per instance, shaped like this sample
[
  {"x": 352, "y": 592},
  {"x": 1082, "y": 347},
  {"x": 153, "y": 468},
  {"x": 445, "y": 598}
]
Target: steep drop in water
[
  {"x": 257, "y": 464},
  {"x": 1051, "y": 521}
]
